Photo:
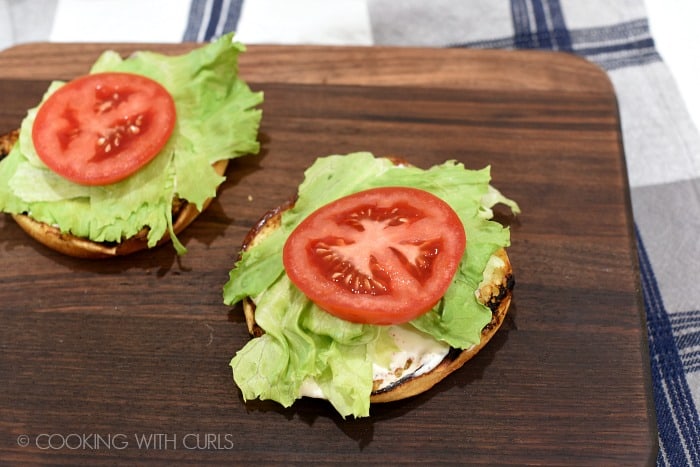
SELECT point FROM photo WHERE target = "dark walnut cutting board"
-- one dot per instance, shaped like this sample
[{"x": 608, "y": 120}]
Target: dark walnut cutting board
[{"x": 137, "y": 349}]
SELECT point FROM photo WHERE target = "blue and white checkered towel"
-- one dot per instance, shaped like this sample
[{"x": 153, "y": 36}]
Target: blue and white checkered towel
[{"x": 662, "y": 143}]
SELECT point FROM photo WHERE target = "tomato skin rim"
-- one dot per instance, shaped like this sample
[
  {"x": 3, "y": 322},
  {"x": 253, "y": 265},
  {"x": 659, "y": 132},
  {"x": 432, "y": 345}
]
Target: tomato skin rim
[
  {"x": 146, "y": 150},
  {"x": 393, "y": 308}
]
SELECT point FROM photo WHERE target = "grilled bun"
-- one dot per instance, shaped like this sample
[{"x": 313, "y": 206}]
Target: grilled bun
[
  {"x": 495, "y": 291},
  {"x": 51, "y": 236}
]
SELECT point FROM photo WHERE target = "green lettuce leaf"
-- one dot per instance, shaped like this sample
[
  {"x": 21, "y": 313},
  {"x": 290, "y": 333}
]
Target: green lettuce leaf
[
  {"x": 217, "y": 119},
  {"x": 302, "y": 341}
]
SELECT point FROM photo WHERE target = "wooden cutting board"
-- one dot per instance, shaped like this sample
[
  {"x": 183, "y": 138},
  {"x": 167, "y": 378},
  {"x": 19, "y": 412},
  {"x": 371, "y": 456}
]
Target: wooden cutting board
[{"x": 127, "y": 359}]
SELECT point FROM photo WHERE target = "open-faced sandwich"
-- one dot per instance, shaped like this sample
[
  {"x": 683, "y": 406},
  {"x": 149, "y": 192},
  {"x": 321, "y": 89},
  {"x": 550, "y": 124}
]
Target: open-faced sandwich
[
  {"x": 373, "y": 284},
  {"x": 125, "y": 157}
]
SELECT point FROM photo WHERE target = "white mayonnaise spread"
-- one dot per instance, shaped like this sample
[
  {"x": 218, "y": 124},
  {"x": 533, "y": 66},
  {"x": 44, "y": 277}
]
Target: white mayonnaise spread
[{"x": 417, "y": 353}]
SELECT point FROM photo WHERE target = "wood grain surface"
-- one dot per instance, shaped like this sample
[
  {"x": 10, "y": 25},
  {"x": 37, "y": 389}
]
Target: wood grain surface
[{"x": 98, "y": 357}]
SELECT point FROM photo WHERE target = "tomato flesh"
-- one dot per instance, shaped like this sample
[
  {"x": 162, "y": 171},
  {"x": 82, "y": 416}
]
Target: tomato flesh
[
  {"x": 380, "y": 256},
  {"x": 103, "y": 127}
]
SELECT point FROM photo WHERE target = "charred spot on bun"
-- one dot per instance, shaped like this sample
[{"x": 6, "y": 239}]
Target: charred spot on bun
[
  {"x": 143, "y": 154},
  {"x": 410, "y": 357}
]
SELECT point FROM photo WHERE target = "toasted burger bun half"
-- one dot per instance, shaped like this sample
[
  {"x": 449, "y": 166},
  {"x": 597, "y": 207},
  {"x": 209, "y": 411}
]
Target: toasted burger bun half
[
  {"x": 51, "y": 236},
  {"x": 495, "y": 291}
]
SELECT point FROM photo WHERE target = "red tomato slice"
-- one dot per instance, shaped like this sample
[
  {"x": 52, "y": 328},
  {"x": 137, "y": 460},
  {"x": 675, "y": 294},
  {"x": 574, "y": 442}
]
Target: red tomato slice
[
  {"x": 101, "y": 128},
  {"x": 380, "y": 256}
]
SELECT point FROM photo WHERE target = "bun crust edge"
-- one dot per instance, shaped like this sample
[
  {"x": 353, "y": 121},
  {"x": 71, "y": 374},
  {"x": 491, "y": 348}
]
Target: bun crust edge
[
  {"x": 496, "y": 295},
  {"x": 68, "y": 244},
  {"x": 456, "y": 358}
]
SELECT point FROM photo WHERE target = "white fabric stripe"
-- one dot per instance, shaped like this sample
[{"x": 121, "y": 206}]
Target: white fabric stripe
[
  {"x": 693, "y": 379},
  {"x": 676, "y": 422},
  {"x": 119, "y": 21},
  {"x": 594, "y": 13},
  {"x": 340, "y": 22},
  {"x": 7, "y": 33},
  {"x": 674, "y": 27},
  {"x": 25, "y": 21},
  {"x": 664, "y": 456},
  {"x": 225, "y": 7},
  {"x": 532, "y": 22},
  {"x": 661, "y": 146},
  {"x": 205, "y": 20}
]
